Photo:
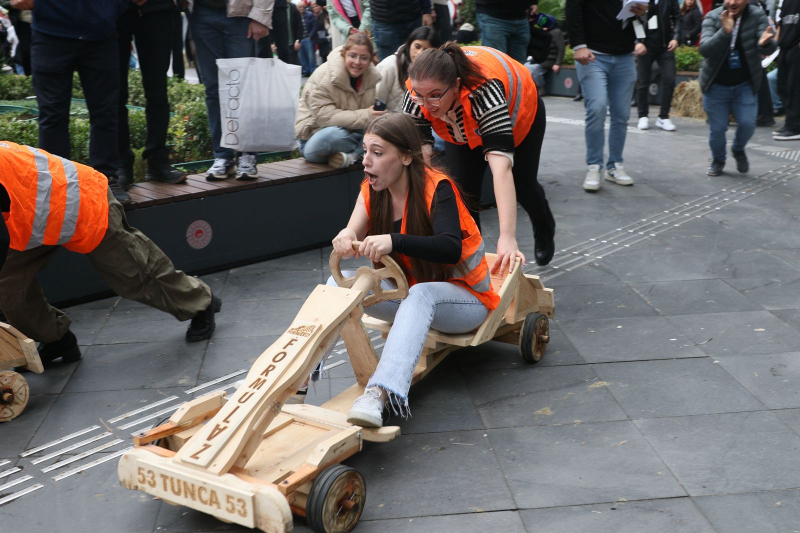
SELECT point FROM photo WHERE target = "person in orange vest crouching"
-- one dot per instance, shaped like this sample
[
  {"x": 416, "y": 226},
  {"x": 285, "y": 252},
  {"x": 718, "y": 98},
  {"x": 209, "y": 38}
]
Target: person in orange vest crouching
[
  {"x": 414, "y": 213},
  {"x": 48, "y": 201},
  {"x": 485, "y": 106}
]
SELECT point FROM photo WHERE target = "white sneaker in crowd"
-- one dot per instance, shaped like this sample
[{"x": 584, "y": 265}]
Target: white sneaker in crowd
[
  {"x": 341, "y": 160},
  {"x": 592, "y": 180},
  {"x": 367, "y": 410},
  {"x": 665, "y": 124},
  {"x": 644, "y": 123},
  {"x": 618, "y": 175},
  {"x": 221, "y": 169},
  {"x": 247, "y": 167}
]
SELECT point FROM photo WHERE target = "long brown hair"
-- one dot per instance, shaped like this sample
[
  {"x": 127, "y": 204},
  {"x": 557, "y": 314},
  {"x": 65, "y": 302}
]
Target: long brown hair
[
  {"x": 400, "y": 131},
  {"x": 685, "y": 9},
  {"x": 446, "y": 64},
  {"x": 403, "y": 60}
]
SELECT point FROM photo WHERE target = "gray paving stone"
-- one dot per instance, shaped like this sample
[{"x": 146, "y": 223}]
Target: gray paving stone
[
  {"x": 757, "y": 512},
  {"x": 600, "y": 301},
  {"x": 676, "y": 515},
  {"x": 91, "y": 501},
  {"x": 163, "y": 329},
  {"x": 52, "y": 380},
  {"x": 652, "y": 204},
  {"x": 580, "y": 205},
  {"x": 791, "y": 256},
  {"x": 790, "y": 316},
  {"x": 744, "y": 215},
  {"x": 726, "y": 453},
  {"x": 591, "y": 274},
  {"x": 494, "y": 355},
  {"x": 557, "y": 466},
  {"x": 677, "y": 387},
  {"x": 790, "y": 417},
  {"x": 226, "y": 355},
  {"x": 769, "y": 293},
  {"x": 748, "y": 264},
  {"x": 772, "y": 378},
  {"x": 506, "y": 521},
  {"x": 135, "y": 314},
  {"x": 694, "y": 297},
  {"x": 137, "y": 366},
  {"x": 256, "y": 318},
  {"x": 276, "y": 284},
  {"x": 17, "y": 433},
  {"x": 655, "y": 267},
  {"x": 738, "y": 333},
  {"x": 702, "y": 235},
  {"x": 541, "y": 396},
  {"x": 431, "y": 474},
  {"x": 309, "y": 260},
  {"x": 87, "y": 323},
  {"x": 628, "y": 339}
]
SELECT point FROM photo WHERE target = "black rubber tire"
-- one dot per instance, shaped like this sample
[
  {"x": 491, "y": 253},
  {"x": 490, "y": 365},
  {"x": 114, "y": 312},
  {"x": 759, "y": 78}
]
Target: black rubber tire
[
  {"x": 531, "y": 344},
  {"x": 326, "y": 490}
]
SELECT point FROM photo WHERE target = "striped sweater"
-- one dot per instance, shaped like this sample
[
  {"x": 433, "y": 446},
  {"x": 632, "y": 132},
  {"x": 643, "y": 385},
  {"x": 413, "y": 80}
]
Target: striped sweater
[{"x": 490, "y": 110}]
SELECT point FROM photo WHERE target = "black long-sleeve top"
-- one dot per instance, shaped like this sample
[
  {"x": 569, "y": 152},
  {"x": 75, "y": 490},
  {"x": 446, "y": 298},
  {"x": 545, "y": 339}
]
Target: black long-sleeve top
[
  {"x": 444, "y": 246},
  {"x": 594, "y": 23}
]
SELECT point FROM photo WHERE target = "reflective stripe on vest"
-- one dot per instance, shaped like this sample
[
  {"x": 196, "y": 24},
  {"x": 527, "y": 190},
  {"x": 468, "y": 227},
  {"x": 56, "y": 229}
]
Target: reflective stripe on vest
[
  {"x": 44, "y": 186},
  {"x": 515, "y": 89},
  {"x": 73, "y": 201}
]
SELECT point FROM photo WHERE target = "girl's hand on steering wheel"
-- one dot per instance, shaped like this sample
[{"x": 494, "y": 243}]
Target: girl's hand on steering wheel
[
  {"x": 507, "y": 253},
  {"x": 343, "y": 243},
  {"x": 376, "y": 246}
]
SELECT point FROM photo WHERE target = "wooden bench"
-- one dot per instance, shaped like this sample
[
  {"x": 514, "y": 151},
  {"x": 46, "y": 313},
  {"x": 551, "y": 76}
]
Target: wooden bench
[{"x": 205, "y": 226}]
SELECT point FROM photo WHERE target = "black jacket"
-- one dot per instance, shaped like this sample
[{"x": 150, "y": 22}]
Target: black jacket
[
  {"x": 390, "y": 11},
  {"x": 154, "y": 5},
  {"x": 691, "y": 25},
  {"x": 669, "y": 21},
  {"x": 594, "y": 23},
  {"x": 504, "y": 9}
]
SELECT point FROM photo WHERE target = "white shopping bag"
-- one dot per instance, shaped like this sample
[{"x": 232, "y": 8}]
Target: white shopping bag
[{"x": 258, "y": 101}]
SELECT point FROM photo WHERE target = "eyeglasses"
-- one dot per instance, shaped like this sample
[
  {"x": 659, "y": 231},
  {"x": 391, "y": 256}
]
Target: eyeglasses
[{"x": 431, "y": 102}]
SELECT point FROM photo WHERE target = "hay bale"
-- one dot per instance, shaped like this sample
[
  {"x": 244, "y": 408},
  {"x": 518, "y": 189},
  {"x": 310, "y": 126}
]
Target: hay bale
[{"x": 687, "y": 101}]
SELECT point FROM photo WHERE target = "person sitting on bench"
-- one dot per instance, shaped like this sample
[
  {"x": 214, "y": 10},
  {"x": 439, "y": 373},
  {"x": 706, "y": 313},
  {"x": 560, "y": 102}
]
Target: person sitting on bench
[
  {"x": 48, "y": 201},
  {"x": 415, "y": 214}
]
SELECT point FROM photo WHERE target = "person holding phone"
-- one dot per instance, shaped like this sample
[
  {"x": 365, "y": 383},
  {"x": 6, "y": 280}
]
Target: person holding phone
[
  {"x": 486, "y": 107},
  {"x": 337, "y": 104}
]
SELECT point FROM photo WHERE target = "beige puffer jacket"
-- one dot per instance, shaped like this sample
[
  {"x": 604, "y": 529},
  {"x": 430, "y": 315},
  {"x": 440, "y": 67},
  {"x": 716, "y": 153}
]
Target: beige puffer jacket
[
  {"x": 258, "y": 10},
  {"x": 329, "y": 100}
]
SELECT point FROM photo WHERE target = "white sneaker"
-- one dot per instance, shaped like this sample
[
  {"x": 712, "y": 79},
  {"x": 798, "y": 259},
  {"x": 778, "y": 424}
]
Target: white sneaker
[
  {"x": 618, "y": 175},
  {"x": 644, "y": 123},
  {"x": 247, "y": 167},
  {"x": 665, "y": 124},
  {"x": 221, "y": 169},
  {"x": 341, "y": 160},
  {"x": 592, "y": 180},
  {"x": 367, "y": 410}
]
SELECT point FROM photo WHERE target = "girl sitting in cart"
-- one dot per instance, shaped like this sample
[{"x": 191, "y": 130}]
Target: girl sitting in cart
[{"x": 415, "y": 214}]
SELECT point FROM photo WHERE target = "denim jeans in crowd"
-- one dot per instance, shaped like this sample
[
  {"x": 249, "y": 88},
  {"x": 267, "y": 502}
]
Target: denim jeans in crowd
[
  {"x": 772, "y": 78},
  {"x": 308, "y": 57},
  {"x": 607, "y": 84},
  {"x": 329, "y": 141},
  {"x": 390, "y": 35},
  {"x": 509, "y": 36},
  {"x": 217, "y": 37},
  {"x": 443, "y": 306},
  {"x": 719, "y": 102}
]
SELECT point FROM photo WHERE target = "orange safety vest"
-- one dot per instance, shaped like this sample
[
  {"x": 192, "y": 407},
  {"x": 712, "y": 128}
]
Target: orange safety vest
[
  {"x": 54, "y": 201},
  {"x": 472, "y": 270},
  {"x": 521, "y": 95}
]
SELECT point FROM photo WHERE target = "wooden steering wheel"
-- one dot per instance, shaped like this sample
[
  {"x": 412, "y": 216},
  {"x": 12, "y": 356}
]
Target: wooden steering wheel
[{"x": 390, "y": 270}]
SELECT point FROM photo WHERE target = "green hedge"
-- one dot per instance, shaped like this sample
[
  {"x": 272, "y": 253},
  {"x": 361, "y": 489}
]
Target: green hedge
[{"x": 687, "y": 58}]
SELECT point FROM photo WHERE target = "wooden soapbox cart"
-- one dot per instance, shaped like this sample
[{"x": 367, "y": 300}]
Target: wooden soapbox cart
[
  {"x": 254, "y": 461},
  {"x": 16, "y": 351}
]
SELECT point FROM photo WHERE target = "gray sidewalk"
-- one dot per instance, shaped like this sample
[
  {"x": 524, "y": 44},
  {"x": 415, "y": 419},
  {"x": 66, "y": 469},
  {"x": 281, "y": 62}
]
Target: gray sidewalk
[{"x": 667, "y": 400}]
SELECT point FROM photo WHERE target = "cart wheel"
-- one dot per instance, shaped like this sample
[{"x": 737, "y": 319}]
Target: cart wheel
[
  {"x": 13, "y": 395},
  {"x": 533, "y": 337},
  {"x": 336, "y": 500}
]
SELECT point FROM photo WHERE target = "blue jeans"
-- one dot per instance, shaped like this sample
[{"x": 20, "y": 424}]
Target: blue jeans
[
  {"x": 217, "y": 37},
  {"x": 331, "y": 140},
  {"x": 607, "y": 84},
  {"x": 772, "y": 78},
  {"x": 389, "y": 36},
  {"x": 308, "y": 58},
  {"x": 509, "y": 36},
  {"x": 443, "y": 306},
  {"x": 719, "y": 102}
]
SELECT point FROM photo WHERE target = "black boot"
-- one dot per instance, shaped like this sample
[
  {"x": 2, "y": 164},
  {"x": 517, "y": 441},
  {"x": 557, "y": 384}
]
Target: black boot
[
  {"x": 66, "y": 349},
  {"x": 742, "y": 164},
  {"x": 125, "y": 177},
  {"x": 118, "y": 192},
  {"x": 544, "y": 247},
  {"x": 159, "y": 169},
  {"x": 203, "y": 324}
]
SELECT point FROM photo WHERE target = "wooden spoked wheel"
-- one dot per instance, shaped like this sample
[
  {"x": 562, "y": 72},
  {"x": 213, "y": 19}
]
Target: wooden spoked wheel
[
  {"x": 14, "y": 392},
  {"x": 336, "y": 500},
  {"x": 390, "y": 270},
  {"x": 533, "y": 337}
]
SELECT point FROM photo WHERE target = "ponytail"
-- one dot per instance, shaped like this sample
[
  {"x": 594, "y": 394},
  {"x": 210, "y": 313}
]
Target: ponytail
[{"x": 446, "y": 64}]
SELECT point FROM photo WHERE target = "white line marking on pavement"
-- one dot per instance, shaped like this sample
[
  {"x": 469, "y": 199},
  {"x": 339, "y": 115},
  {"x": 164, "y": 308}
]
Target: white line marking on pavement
[
  {"x": 142, "y": 410},
  {"x": 92, "y": 464},
  {"x": 23, "y": 492},
  {"x": 26, "y": 453},
  {"x": 70, "y": 448},
  {"x": 17, "y": 481},
  {"x": 83, "y": 455},
  {"x": 215, "y": 381}
]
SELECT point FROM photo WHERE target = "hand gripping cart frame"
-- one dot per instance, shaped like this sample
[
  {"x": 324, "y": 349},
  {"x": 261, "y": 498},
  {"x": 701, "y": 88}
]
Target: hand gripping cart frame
[
  {"x": 255, "y": 461},
  {"x": 16, "y": 351}
]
